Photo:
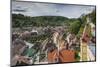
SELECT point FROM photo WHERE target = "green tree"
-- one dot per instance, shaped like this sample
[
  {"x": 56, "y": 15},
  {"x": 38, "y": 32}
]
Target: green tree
[{"x": 75, "y": 26}]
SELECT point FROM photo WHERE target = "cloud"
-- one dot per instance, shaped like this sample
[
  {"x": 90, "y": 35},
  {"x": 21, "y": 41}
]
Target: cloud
[{"x": 50, "y": 9}]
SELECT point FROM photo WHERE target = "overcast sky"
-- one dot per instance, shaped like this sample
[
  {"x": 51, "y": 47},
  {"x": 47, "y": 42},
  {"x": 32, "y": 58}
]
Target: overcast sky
[{"x": 49, "y": 9}]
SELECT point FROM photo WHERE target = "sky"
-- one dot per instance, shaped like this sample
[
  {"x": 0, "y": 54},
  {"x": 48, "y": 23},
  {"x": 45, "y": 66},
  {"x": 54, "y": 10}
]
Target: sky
[{"x": 50, "y": 9}]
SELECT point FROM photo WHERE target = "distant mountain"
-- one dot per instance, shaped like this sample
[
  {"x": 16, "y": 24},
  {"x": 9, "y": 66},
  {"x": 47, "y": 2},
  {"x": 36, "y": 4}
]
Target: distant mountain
[{"x": 24, "y": 21}]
